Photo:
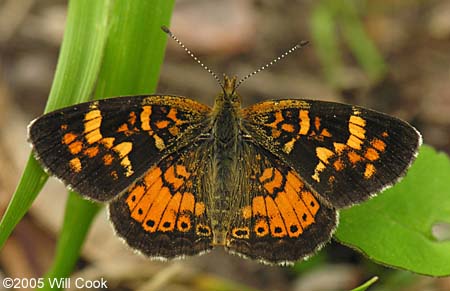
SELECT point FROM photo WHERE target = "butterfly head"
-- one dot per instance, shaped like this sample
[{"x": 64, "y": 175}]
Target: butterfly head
[
  {"x": 229, "y": 85},
  {"x": 228, "y": 97}
]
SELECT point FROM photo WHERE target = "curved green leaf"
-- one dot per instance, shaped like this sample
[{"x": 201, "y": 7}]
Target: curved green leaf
[
  {"x": 131, "y": 61},
  {"x": 78, "y": 67},
  {"x": 395, "y": 228},
  {"x": 110, "y": 47}
]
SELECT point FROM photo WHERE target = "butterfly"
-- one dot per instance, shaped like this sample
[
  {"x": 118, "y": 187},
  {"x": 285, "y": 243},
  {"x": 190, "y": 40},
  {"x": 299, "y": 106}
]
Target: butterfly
[{"x": 265, "y": 182}]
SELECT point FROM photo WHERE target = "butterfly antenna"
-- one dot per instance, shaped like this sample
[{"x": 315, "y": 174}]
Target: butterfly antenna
[
  {"x": 167, "y": 30},
  {"x": 294, "y": 48}
]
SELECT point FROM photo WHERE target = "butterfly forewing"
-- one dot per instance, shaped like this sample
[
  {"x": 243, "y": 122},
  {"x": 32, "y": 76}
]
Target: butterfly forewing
[
  {"x": 345, "y": 153},
  {"x": 99, "y": 148}
]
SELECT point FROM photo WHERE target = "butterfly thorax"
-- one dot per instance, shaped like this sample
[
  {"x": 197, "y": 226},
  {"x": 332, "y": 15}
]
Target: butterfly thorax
[{"x": 226, "y": 136}]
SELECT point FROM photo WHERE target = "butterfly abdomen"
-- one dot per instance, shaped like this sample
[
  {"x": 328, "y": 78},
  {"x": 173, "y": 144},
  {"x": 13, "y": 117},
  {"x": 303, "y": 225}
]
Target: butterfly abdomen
[{"x": 225, "y": 132}]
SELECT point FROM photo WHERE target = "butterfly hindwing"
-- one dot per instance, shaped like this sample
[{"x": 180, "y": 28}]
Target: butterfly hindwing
[
  {"x": 279, "y": 220},
  {"x": 345, "y": 153},
  {"x": 163, "y": 215},
  {"x": 99, "y": 148}
]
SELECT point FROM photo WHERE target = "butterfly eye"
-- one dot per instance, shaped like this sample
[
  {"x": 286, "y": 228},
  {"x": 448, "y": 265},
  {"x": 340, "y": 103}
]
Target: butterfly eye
[{"x": 235, "y": 98}]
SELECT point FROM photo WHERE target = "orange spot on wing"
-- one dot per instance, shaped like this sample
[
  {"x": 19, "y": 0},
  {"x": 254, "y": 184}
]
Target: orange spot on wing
[
  {"x": 75, "y": 165},
  {"x": 319, "y": 169},
  {"x": 277, "y": 182},
  {"x": 325, "y": 133},
  {"x": 247, "y": 212},
  {"x": 357, "y": 131},
  {"x": 184, "y": 223},
  {"x": 157, "y": 209},
  {"x": 241, "y": 232},
  {"x": 287, "y": 127},
  {"x": 159, "y": 142},
  {"x": 174, "y": 130},
  {"x": 371, "y": 154},
  {"x": 306, "y": 219},
  {"x": 354, "y": 142},
  {"x": 317, "y": 123},
  {"x": 298, "y": 205},
  {"x": 145, "y": 118},
  {"x": 173, "y": 115},
  {"x": 354, "y": 157},
  {"x": 261, "y": 227},
  {"x": 108, "y": 159},
  {"x": 278, "y": 118},
  {"x": 187, "y": 203},
  {"x": 266, "y": 175},
  {"x": 91, "y": 152},
  {"x": 146, "y": 201},
  {"x": 123, "y": 128},
  {"x": 135, "y": 196},
  {"x": 152, "y": 176},
  {"x": 357, "y": 120},
  {"x": 378, "y": 144},
  {"x": 199, "y": 209},
  {"x": 93, "y": 114},
  {"x": 339, "y": 147},
  {"x": 294, "y": 181},
  {"x": 123, "y": 148},
  {"x": 293, "y": 226},
  {"x": 169, "y": 176},
  {"x": 324, "y": 154},
  {"x": 338, "y": 165},
  {"x": 310, "y": 202},
  {"x": 277, "y": 228},
  {"x": 108, "y": 142},
  {"x": 75, "y": 147},
  {"x": 132, "y": 118},
  {"x": 276, "y": 133},
  {"x": 304, "y": 122},
  {"x": 181, "y": 171},
  {"x": 162, "y": 124},
  {"x": 170, "y": 214},
  {"x": 93, "y": 136},
  {"x": 92, "y": 122},
  {"x": 69, "y": 137},
  {"x": 259, "y": 206},
  {"x": 369, "y": 171}
]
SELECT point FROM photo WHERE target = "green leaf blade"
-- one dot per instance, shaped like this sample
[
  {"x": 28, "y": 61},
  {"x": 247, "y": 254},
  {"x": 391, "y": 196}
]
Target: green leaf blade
[
  {"x": 131, "y": 59},
  {"x": 81, "y": 55},
  {"x": 135, "y": 48},
  {"x": 395, "y": 228},
  {"x": 110, "y": 48}
]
